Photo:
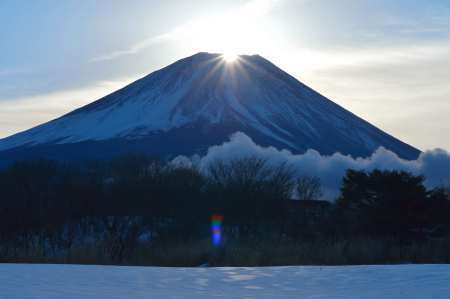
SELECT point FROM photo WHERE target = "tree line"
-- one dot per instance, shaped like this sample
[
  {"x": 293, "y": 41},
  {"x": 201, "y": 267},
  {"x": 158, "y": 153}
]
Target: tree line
[{"x": 138, "y": 210}]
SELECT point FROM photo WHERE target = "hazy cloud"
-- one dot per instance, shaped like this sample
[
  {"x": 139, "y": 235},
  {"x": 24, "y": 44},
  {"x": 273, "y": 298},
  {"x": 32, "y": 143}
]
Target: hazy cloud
[
  {"x": 136, "y": 48},
  {"x": 197, "y": 27},
  {"x": 403, "y": 90},
  {"x": 21, "y": 114}
]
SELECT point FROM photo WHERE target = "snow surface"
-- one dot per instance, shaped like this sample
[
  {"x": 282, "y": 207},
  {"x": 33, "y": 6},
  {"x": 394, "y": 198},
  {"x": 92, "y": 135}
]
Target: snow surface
[{"x": 101, "y": 282}]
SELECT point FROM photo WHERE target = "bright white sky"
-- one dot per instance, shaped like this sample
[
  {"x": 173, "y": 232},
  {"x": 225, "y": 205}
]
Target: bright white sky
[{"x": 386, "y": 61}]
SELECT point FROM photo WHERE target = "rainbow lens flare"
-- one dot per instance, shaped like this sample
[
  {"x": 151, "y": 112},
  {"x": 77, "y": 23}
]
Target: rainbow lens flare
[{"x": 216, "y": 229}]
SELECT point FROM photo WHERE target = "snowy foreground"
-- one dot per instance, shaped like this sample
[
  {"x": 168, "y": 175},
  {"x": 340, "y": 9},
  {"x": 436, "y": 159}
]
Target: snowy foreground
[{"x": 73, "y": 281}]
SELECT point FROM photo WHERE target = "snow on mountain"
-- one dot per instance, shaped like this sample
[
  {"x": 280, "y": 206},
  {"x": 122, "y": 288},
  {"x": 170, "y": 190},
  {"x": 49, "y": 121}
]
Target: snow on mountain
[{"x": 199, "y": 101}]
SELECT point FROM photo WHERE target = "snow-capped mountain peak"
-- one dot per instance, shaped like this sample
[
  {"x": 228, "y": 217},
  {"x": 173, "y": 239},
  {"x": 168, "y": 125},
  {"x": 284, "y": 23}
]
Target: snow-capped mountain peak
[{"x": 199, "y": 101}]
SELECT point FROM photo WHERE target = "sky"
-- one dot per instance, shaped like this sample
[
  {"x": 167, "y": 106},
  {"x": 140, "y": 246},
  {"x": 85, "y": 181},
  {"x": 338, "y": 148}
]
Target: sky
[{"x": 386, "y": 61}]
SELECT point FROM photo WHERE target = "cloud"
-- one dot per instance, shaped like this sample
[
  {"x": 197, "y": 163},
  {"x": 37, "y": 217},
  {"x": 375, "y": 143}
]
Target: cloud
[
  {"x": 136, "y": 48},
  {"x": 20, "y": 114},
  {"x": 211, "y": 32},
  {"x": 432, "y": 22},
  {"x": 433, "y": 164},
  {"x": 400, "y": 88}
]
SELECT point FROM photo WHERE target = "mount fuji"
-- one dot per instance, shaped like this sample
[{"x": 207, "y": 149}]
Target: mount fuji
[{"x": 197, "y": 102}]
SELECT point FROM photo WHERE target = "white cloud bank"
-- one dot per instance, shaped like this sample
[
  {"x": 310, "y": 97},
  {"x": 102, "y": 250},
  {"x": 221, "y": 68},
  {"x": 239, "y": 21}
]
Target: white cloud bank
[{"x": 433, "y": 164}]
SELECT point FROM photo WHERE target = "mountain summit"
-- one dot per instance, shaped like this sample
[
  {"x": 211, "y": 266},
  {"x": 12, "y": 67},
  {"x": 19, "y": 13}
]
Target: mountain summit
[{"x": 200, "y": 101}]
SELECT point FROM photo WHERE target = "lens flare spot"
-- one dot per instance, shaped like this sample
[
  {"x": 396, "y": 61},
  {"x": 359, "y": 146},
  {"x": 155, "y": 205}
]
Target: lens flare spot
[{"x": 216, "y": 229}]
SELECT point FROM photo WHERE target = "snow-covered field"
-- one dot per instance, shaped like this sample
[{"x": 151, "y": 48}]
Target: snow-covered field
[{"x": 73, "y": 281}]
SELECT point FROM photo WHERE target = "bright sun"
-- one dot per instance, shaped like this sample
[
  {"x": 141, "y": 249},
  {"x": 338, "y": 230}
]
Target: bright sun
[
  {"x": 242, "y": 30},
  {"x": 230, "y": 57}
]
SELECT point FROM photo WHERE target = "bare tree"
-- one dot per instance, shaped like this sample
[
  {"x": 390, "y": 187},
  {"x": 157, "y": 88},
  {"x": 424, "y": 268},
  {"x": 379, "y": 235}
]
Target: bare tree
[{"x": 309, "y": 188}]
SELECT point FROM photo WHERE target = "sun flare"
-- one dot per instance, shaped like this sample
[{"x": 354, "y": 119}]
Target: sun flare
[
  {"x": 238, "y": 31},
  {"x": 230, "y": 57}
]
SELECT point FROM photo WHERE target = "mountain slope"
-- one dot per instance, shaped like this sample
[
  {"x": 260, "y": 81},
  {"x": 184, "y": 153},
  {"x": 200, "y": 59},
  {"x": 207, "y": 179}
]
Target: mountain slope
[{"x": 199, "y": 101}]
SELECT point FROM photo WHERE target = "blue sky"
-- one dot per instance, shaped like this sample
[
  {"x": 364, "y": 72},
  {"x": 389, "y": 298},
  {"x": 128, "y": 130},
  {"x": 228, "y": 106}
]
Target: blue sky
[{"x": 387, "y": 61}]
